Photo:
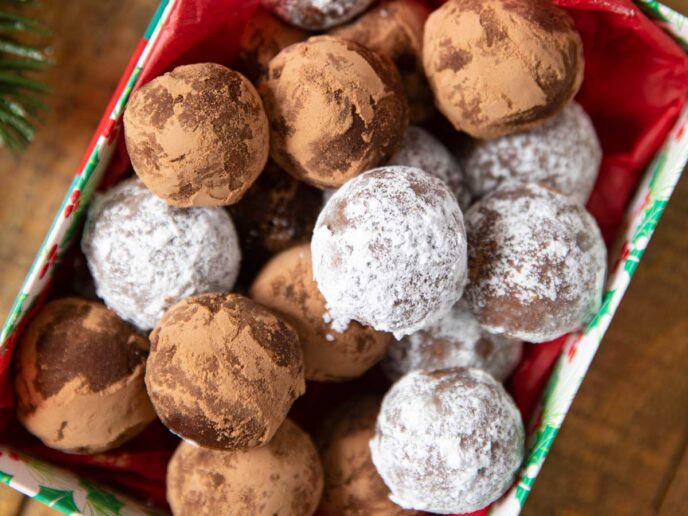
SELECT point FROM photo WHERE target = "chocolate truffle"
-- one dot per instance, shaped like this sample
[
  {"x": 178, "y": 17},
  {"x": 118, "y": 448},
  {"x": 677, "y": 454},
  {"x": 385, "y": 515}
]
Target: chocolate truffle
[
  {"x": 563, "y": 153},
  {"x": 389, "y": 250},
  {"x": 263, "y": 37},
  {"x": 79, "y": 378},
  {"x": 223, "y": 371},
  {"x": 286, "y": 286},
  {"x": 501, "y": 66},
  {"x": 353, "y": 486},
  {"x": 394, "y": 28},
  {"x": 422, "y": 150},
  {"x": 277, "y": 212},
  {"x": 336, "y": 109},
  {"x": 145, "y": 255},
  {"x": 455, "y": 340},
  {"x": 448, "y": 441},
  {"x": 282, "y": 478},
  {"x": 198, "y": 135},
  {"x": 537, "y": 263},
  {"x": 316, "y": 14}
]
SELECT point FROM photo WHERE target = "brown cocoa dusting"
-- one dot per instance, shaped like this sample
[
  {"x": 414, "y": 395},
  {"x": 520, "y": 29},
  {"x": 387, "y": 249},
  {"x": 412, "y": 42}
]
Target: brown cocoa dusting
[
  {"x": 204, "y": 127},
  {"x": 501, "y": 66},
  {"x": 100, "y": 353},
  {"x": 330, "y": 123},
  {"x": 352, "y": 484},
  {"x": 263, "y": 37},
  {"x": 79, "y": 377},
  {"x": 286, "y": 286},
  {"x": 224, "y": 371},
  {"x": 394, "y": 29},
  {"x": 287, "y": 472}
]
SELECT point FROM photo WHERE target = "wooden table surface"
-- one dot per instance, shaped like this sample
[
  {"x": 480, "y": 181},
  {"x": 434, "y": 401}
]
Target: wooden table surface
[{"x": 622, "y": 449}]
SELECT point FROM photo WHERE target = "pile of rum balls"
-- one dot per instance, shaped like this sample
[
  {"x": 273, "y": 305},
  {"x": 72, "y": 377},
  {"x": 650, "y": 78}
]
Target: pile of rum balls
[{"x": 286, "y": 224}]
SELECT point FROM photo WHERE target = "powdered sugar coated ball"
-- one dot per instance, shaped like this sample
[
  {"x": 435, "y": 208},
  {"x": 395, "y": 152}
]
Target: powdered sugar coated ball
[
  {"x": 316, "y": 14},
  {"x": 422, "y": 150},
  {"x": 389, "y": 250},
  {"x": 563, "y": 153},
  {"x": 447, "y": 441},
  {"x": 537, "y": 263},
  {"x": 454, "y": 340},
  {"x": 145, "y": 255}
]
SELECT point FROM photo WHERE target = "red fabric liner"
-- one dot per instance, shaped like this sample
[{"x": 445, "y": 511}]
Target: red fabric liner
[{"x": 636, "y": 82}]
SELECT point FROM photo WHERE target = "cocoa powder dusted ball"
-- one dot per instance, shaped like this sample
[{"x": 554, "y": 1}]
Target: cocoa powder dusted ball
[
  {"x": 316, "y": 15},
  {"x": 223, "y": 371},
  {"x": 422, "y": 150},
  {"x": 336, "y": 109},
  {"x": 389, "y": 250},
  {"x": 263, "y": 37},
  {"x": 537, "y": 263},
  {"x": 448, "y": 441},
  {"x": 394, "y": 28},
  {"x": 283, "y": 478},
  {"x": 276, "y": 213},
  {"x": 564, "y": 153},
  {"x": 286, "y": 286},
  {"x": 353, "y": 486},
  {"x": 497, "y": 67},
  {"x": 198, "y": 135},
  {"x": 79, "y": 378},
  {"x": 145, "y": 255},
  {"x": 454, "y": 340}
]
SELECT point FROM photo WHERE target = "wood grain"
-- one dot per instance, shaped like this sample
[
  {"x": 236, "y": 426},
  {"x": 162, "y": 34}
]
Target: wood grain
[
  {"x": 622, "y": 449},
  {"x": 92, "y": 42},
  {"x": 11, "y": 501}
]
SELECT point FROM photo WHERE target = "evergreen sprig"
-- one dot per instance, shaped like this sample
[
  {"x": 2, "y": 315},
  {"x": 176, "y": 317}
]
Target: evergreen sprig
[{"x": 20, "y": 105}]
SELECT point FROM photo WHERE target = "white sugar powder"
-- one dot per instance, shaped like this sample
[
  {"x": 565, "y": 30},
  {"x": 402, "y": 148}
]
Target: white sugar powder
[
  {"x": 316, "y": 14},
  {"x": 145, "y": 255},
  {"x": 389, "y": 250},
  {"x": 454, "y": 340},
  {"x": 447, "y": 442},
  {"x": 537, "y": 256},
  {"x": 422, "y": 150},
  {"x": 564, "y": 153}
]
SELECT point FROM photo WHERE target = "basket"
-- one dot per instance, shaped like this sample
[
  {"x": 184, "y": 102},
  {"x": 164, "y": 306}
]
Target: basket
[{"x": 65, "y": 491}]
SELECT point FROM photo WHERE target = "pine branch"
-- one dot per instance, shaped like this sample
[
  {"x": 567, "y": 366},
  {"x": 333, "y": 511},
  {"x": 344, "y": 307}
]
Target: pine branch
[
  {"x": 13, "y": 23},
  {"x": 19, "y": 88}
]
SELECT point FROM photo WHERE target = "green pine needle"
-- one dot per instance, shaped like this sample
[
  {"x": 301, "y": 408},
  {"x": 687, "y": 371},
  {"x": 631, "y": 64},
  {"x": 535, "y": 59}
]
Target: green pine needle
[
  {"x": 25, "y": 51},
  {"x": 19, "y": 86},
  {"x": 13, "y": 23},
  {"x": 23, "y": 64},
  {"x": 11, "y": 142},
  {"x": 18, "y": 123},
  {"x": 19, "y": 81},
  {"x": 31, "y": 103}
]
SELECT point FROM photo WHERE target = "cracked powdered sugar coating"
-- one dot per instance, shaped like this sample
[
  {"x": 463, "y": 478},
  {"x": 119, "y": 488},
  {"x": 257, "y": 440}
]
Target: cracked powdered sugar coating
[
  {"x": 389, "y": 250},
  {"x": 448, "y": 441},
  {"x": 422, "y": 150},
  {"x": 563, "y": 153},
  {"x": 316, "y": 14},
  {"x": 537, "y": 263},
  {"x": 454, "y": 340},
  {"x": 145, "y": 255}
]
